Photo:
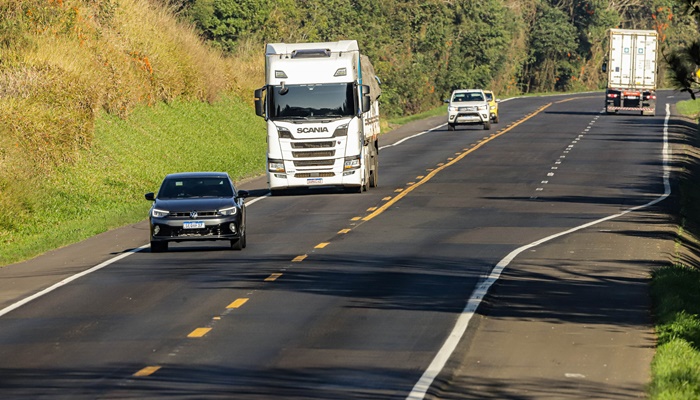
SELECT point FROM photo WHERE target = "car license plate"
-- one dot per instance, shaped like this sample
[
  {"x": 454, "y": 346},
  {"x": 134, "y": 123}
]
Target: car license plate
[
  {"x": 314, "y": 181},
  {"x": 193, "y": 225}
]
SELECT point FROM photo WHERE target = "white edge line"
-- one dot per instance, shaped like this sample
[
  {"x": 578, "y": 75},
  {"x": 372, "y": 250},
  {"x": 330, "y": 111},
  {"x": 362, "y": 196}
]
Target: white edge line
[
  {"x": 420, "y": 389},
  {"x": 69, "y": 280}
]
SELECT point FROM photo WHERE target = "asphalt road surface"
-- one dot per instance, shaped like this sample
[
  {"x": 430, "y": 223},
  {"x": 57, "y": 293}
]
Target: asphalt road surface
[{"x": 503, "y": 264}]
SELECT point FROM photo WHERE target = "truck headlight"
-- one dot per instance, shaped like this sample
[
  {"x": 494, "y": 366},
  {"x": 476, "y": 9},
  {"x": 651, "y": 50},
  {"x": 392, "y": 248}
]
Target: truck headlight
[
  {"x": 275, "y": 165},
  {"x": 352, "y": 163}
]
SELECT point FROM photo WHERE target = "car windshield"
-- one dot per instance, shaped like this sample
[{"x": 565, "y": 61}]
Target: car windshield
[
  {"x": 312, "y": 101},
  {"x": 187, "y": 188},
  {"x": 489, "y": 96},
  {"x": 462, "y": 97}
]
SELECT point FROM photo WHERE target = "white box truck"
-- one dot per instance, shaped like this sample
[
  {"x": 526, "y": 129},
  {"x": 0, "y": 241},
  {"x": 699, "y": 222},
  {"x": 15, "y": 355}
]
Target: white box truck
[
  {"x": 320, "y": 101},
  {"x": 631, "y": 69}
]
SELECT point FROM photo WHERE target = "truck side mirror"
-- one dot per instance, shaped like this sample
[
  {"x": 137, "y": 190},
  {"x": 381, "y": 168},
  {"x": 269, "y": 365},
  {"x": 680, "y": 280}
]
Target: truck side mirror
[
  {"x": 260, "y": 103},
  {"x": 604, "y": 68},
  {"x": 366, "y": 100}
]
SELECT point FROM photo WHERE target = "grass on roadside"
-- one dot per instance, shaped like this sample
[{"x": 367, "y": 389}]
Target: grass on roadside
[
  {"x": 130, "y": 157},
  {"x": 675, "y": 292}
]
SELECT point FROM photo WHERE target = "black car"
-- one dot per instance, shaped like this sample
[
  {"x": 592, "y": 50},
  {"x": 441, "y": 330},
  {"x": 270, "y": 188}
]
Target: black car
[{"x": 197, "y": 206}]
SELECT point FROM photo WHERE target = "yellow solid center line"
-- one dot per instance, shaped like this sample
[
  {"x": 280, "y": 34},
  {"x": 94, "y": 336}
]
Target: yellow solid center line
[
  {"x": 237, "y": 303},
  {"x": 147, "y": 371},
  {"x": 321, "y": 245},
  {"x": 199, "y": 332},
  {"x": 298, "y": 259},
  {"x": 434, "y": 172},
  {"x": 273, "y": 277}
]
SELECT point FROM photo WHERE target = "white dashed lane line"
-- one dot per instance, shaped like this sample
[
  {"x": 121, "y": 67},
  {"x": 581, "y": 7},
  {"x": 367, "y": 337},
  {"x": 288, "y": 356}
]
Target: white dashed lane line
[{"x": 561, "y": 158}]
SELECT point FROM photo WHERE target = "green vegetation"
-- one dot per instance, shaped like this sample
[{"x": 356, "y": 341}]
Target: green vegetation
[
  {"x": 690, "y": 108},
  {"x": 104, "y": 188},
  {"x": 674, "y": 289}
]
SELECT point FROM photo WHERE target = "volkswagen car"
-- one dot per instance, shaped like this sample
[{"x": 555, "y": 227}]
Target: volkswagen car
[{"x": 196, "y": 206}]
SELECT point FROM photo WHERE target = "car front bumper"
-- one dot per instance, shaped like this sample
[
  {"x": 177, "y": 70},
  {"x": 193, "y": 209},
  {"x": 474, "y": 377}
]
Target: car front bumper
[{"x": 174, "y": 230}]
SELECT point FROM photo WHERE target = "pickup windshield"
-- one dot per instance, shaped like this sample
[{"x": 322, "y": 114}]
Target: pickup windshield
[{"x": 332, "y": 100}]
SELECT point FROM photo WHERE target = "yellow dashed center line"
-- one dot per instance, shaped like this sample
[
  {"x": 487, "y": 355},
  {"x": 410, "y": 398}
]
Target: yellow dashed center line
[
  {"x": 237, "y": 303},
  {"x": 371, "y": 208},
  {"x": 386, "y": 198},
  {"x": 343, "y": 231},
  {"x": 434, "y": 172},
  {"x": 272, "y": 277},
  {"x": 298, "y": 259},
  {"x": 147, "y": 371},
  {"x": 321, "y": 245},
  {"x": 199, "y": 332}
]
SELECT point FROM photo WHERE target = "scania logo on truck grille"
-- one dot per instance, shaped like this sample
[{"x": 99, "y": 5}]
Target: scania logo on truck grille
[{"x": 312, "y": 130}]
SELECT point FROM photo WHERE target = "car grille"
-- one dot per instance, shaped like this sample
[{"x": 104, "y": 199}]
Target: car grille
[{"x": 199, "y": 214}]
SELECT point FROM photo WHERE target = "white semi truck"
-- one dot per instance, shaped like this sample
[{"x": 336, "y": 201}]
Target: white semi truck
[
  {"x": 631, "y": 69},
  {"x": 320, "y": 101}
]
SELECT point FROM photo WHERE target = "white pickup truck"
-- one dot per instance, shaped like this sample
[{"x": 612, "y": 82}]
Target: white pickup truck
[{"x": 468, "y": 107}]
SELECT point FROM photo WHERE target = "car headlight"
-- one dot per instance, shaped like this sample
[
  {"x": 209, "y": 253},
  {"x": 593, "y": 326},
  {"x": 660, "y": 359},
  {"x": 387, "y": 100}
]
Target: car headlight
[
  {"x": 451, "y": 109},
  {"x": 228, "y": 211},
  {"x": 156, "y": 213},
  {"x": 484, "y": 107}
]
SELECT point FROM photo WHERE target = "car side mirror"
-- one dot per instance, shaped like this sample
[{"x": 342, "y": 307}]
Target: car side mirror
[
  {"x": 150, "y": 196},
  {"x": 243, "y": 194},
  {"x": 446, "y": 101}
]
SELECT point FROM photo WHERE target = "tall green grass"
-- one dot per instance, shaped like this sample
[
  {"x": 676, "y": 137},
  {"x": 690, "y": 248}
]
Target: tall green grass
[
  {"x": 675, "y": 291},
  {"x": 104, "y": 188}
]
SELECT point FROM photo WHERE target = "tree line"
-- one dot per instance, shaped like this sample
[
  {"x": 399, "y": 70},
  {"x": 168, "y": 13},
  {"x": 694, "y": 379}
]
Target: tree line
[{"x": 422, "y": 49}]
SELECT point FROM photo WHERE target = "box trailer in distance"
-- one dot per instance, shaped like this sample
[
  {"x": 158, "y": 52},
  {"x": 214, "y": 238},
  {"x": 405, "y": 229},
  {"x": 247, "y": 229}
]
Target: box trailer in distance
[
  {"x": 320, "y": 102},
  {"x": 631, "y": 71}
]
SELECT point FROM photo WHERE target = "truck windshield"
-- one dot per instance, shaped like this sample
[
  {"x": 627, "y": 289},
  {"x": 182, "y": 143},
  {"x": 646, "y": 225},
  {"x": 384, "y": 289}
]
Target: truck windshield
[{"x": 333, "y": 100}]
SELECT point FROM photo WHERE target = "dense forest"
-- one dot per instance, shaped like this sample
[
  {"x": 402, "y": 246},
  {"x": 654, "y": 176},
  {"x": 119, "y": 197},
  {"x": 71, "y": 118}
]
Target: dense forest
[{"x": 424, "y": 49}]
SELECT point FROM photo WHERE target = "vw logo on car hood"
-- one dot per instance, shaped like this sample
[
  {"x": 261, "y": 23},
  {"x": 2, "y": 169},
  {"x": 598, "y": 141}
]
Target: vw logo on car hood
[{"x": 193, "y": 214}]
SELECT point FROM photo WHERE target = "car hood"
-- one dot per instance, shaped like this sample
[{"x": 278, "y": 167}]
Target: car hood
[{"x": 199, "y": 204}]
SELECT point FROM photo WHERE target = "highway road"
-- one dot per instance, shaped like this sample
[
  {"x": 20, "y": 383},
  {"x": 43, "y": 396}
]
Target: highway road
[{"x": 509, "y": 263}]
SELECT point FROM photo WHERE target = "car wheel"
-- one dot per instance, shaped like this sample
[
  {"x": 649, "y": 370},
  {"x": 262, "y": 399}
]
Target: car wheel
[
  {"x": 487, "y": 125},
  {"x": 159, "y": 247},
  {"x": 244, "y": 239},
  {"x": 495, "y": 119},
  {"x": 237, "y": 244},
  {"x": 450, "y": 127}
]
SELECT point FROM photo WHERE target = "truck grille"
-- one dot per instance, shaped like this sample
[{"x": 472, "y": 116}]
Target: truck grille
[
  {"x": 312, "y": 145},
  {"x": 309, "y": 154},
  {"x": 314, "y": 163},
  {"x": 314, "y": 175}
]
